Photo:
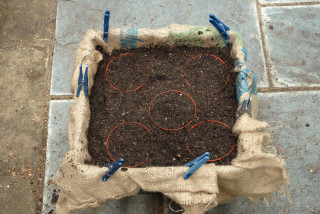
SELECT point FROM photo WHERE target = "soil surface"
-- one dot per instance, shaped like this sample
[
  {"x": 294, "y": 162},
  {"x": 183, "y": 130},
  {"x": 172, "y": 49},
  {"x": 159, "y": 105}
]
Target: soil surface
[
  {"x": 163, "y": 106},
  {"x": 54, "y": 197}
]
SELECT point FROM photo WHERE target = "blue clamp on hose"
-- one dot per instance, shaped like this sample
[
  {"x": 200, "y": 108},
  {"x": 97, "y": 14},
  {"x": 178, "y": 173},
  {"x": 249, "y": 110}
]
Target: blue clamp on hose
[
  {"x": 196, "y": 164},
  {"x": 83, "y": 81},
  {"x": 106, "y": 25},
  {"x": 222, "y": 28},
  {"x": 113, "y": 167}
]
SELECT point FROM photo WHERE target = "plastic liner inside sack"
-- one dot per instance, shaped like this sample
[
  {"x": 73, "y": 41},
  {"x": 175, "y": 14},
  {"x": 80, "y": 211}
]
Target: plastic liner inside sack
[{"x": 253, "y": 173}]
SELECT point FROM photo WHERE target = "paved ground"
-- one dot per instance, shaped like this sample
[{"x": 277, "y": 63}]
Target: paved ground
[
  {"x": 26, "y": 49},
  {"x": 283, "y": 42}
]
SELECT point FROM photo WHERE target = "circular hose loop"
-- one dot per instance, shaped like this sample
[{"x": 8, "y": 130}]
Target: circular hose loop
[
  {"x": 203, "y": 122},
  {"x": 178, "y": 128},
  {"x": 214, "y": 56},
  {"x": 121, "y": 124},
  {"x": 127, "y": 54}
]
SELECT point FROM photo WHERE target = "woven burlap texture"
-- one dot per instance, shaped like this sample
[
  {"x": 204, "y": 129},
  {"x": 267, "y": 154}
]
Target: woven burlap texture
[{"x": 252, "y": 174}]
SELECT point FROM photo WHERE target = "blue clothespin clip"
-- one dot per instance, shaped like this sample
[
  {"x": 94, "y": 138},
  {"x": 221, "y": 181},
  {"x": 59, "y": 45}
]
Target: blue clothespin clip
[
  {"x": 222, "y": 28},
  {"x": 106, "y": 25},
  {"x": 246, "y": 107},
  {"x": 196, "y": 164},
  {"x": 113, "y": 167},
  {"x": 83, "y": 81}
]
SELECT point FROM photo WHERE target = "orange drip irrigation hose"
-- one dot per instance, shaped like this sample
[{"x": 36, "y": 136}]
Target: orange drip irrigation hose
[
  {"x": 176, "y": 129},
  {"x": 209, "y": 121},
  {"x": 199, "y": 55},
  {"x": 126, "y": 54},
  {"x": 123, "y": 123}
]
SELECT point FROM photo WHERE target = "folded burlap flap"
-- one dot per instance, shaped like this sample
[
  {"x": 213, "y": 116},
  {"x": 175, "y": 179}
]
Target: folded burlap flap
[{"x": 252, "y": 174}]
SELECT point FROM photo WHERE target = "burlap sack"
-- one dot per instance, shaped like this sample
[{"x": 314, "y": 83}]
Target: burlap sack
[{"x": 252, "y": 174}]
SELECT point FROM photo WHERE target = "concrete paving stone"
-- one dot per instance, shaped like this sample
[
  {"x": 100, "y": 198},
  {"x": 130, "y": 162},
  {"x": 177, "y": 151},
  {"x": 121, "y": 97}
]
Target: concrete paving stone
[
  {"x": 16, "y": 195},
  {"x": 22, "y": 87},
  {"x": 293, "y": 41},
  {"x": 21, "y": 90},
  {"x": 62, "y": 68},
  {"x": 57, "y": 146},
  {"x": 24, "y": 22},
  {"x": 298, "y": 141},
  {"x": 171, "y": 207},
  {"x": 75, "y": 17},
  {"x": 142, "y": 203},
  {"x": 285, "y": 1}
]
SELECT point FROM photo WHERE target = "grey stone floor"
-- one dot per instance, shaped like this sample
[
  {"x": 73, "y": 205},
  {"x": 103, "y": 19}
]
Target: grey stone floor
[
  {"x": 26, "y": 48},
  {"x": 283, "y": 42}
]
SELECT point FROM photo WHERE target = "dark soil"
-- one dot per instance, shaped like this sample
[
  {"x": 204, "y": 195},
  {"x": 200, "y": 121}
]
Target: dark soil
[
  {"x": 55, "y": 197},
  {"x": 162, "y": 108}
]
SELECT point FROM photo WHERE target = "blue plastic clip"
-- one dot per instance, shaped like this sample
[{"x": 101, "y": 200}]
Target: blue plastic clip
[
  {"x": 246, "y": 107},
  {"x": 83, "y": 81},
  {"x": 113, "y": 167},
  {"x": 106, "y": 25},
  {"x": 196, "y": 164},
  {"x": 222, "y": 28}
]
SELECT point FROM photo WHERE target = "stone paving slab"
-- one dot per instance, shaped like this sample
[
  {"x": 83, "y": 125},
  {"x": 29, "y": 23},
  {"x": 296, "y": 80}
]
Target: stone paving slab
[
  {"x": 21, "y": 90},
  {"x": 57, "y": 146},
  {"x": 22, "y": 87},
  {"x": 285, "y": 1},
  {"x": 298, "y": 141},
  {"x": 293, "y": 40},
  {"x": 62, "y": 68},
  {"x": 143, "y": 203},
  {"x": 75, "y": 17},
  {"x": 23, "y": 23},
  {"x": 13, "y": 190}
]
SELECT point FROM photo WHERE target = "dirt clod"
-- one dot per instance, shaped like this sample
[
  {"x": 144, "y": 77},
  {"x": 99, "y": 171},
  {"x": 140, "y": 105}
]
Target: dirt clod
[{"x": 55, "y": 197}]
